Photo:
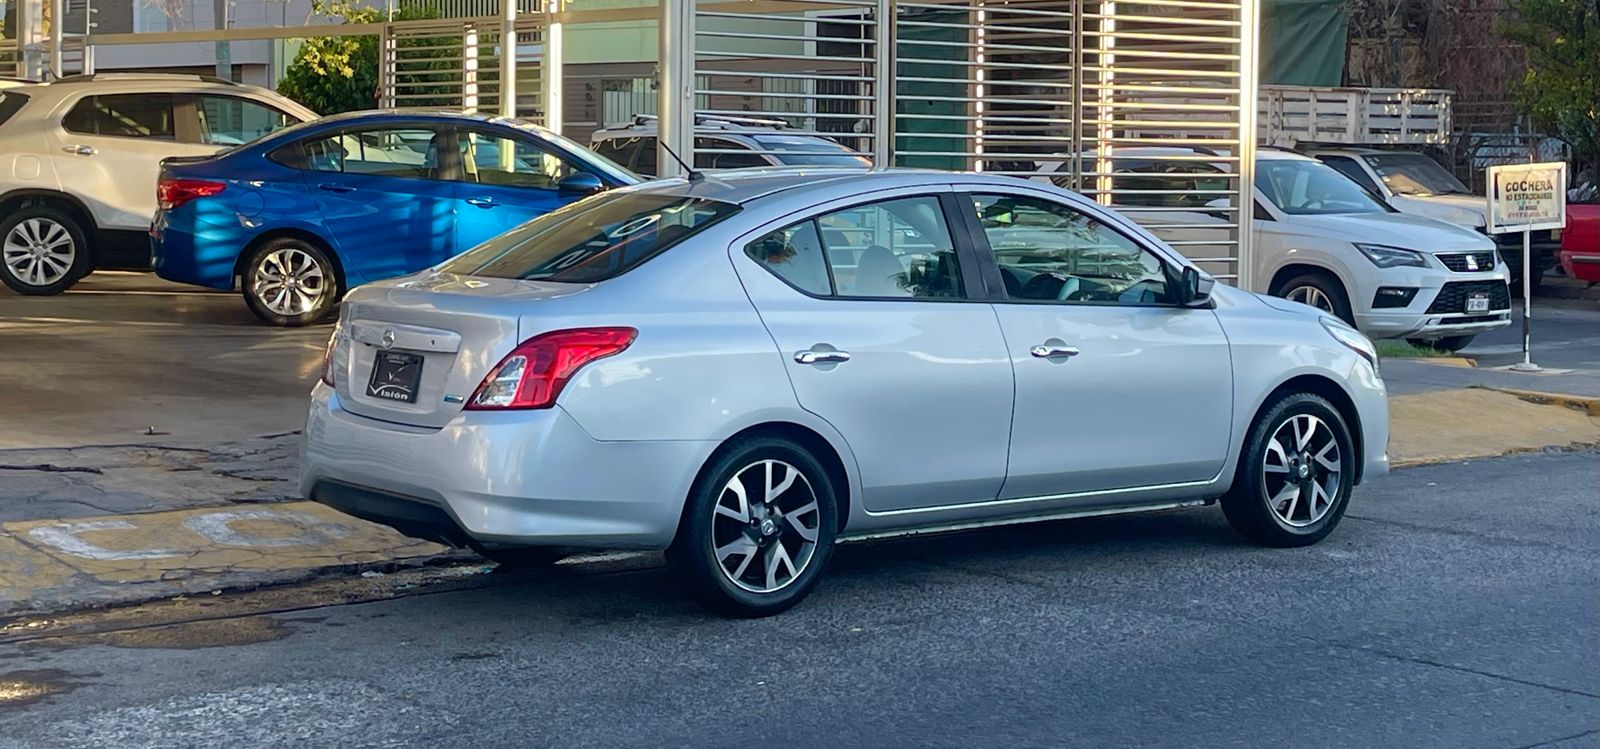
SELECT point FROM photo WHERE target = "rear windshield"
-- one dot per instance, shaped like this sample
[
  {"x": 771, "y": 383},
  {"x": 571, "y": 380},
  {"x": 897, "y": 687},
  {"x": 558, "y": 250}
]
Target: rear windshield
[
  {"x": 10, "y": 104},
  {"x": 592, "y": 240}
]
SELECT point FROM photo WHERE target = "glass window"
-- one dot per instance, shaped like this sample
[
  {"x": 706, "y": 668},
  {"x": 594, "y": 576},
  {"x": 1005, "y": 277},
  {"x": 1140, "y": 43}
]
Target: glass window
[
  {"x": 593, "y": 239},
  {"x": 1414, "y": 174},
  {"x": 1303, "y": 187},
  {"x": 401, "y": 152},
  {"x": 123, "y": 116},
  {"x": 810, "y": 150},
  {"x": 645, "y": 162},
  {"x": 896, "y": 249},
  {"x": 619, "y": 150},
  {"x": 794, "y": 254},
  {"x": 510, "y": 162},
  {"x": 1050, "y": 252},
  {"x": 229, "y": 121},
  {"x": 744, "y": 159},
  {"x": 1169, "y": 184},
  {"x": 10, "y": 105},
  {"x": 1349, "y": 168}
]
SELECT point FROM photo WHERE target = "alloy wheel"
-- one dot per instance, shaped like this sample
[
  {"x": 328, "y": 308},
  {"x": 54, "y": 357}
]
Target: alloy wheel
[
  {"x": 39, "y": 251},
  {"x": 1300, "y": 470},
  {"x": 765, "y": 525},
  {"x": 1311, "y": 295},
  {"x": 289, "y": 281}
]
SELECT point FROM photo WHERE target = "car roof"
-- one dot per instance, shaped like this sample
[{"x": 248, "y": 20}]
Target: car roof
[
  {"x": 741, "y": 186},
  {"x": 1356, "y": 150}
]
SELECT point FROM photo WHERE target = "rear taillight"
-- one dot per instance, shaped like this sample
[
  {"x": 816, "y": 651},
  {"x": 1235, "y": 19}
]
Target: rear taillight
[
  {"x": 327, "y": 358},
  {"x": 533, "y": 374},
  {"x": 172, "y": 193}
]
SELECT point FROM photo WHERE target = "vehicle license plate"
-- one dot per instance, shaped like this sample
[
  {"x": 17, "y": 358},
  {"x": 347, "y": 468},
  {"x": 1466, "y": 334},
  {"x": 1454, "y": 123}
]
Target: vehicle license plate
[
  {"x": 395, "y": 376},
  {"x": 1478, "y": 303}
]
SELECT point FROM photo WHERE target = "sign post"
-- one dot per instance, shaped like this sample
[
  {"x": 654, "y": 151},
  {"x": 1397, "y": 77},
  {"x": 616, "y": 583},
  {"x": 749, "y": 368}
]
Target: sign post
[{"x": 1527, "y": 198}]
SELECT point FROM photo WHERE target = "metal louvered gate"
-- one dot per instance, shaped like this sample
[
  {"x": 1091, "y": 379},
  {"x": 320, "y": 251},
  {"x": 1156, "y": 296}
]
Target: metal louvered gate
[
  {"x": 1146, "y": 106},
  {"x": 459, "y": 64}
]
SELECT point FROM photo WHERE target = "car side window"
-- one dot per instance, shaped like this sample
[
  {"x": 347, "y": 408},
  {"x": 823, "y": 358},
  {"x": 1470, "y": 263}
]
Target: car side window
[
  {"x": 704, "y": 158},
  {"x": 620, "y": 150},
  {"x": 122, "y": 116},
  {"x": 794, "y": 254},
  {"x": 644, "y": 162},
  {"x": 1049, "y": 252},
  {"x": 231, "y": 121},
  {"x": 384, "y": 152},
  {"x": 891, "y": 249},
  {"x": 510, "y": 162},
  {"x": 1349, "y": 168}
]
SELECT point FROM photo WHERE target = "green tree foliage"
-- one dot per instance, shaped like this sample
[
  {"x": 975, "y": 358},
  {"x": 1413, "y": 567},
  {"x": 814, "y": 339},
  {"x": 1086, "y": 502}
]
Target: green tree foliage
[
  {"x": 333, "y": 74},
  {"x": 1561, "y": 90}
]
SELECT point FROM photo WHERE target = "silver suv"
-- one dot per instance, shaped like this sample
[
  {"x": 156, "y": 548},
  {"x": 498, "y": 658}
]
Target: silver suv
[
  {"x": 79, "y": 159},
  {"x": 726, "y": 143}
]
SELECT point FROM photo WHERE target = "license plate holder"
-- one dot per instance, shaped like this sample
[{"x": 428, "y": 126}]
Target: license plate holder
[
  {"x": 395, "y": 376},
  {"x": 1477, "y": 303}
]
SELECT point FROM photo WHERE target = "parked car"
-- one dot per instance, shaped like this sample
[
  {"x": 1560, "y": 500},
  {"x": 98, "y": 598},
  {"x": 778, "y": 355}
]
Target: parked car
[
  {"x": 1415, "y": 184},
  {"x": 80, "y": 192},
  {"x": 295, "y": 219},
  {"x": 1580, "y": 242},
  {"x": 13, "y": 82},
  {"x": 745, "y": 369},
  {"x": 1322, "y": 240},
  {"x": 726, "y": 143}
]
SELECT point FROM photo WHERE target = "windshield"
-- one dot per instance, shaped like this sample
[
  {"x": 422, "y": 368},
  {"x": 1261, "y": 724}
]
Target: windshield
[
  {"x": 799, "y": 150},
  {"x": 592, "y": 240},
  {"x": 617, "y": 170},
  {"x": 1304, "y": 187},
  {"x": 1414, "y": 174}
]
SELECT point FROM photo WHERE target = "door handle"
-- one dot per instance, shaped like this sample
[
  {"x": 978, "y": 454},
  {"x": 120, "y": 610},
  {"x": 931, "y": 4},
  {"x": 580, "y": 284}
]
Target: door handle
[
  {"x": 333, "y": 187},
  {"x": 821, "y": 357},
  {"x": 482, "y": 202},
  {"x": 79, "y": 150},
  {"x": 1054, "y": 351}
]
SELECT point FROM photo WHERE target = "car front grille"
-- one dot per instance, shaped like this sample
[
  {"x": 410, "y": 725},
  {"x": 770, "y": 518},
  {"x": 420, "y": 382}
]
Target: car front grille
[
  {"x": 1468, "y": 262},
  {"x": 1452, "y": 299}
]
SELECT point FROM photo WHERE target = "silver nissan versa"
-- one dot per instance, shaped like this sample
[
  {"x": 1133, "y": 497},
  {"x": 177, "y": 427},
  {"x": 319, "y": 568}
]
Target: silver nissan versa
[{"x": 746, "y": 369}]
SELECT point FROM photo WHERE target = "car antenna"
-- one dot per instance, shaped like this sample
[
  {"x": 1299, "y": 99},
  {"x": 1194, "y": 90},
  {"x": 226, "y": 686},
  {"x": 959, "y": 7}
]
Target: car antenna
[{"x": 693, "y": 175}]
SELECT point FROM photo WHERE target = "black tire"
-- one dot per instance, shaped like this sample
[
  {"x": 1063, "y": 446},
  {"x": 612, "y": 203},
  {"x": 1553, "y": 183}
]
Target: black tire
[
  {"x": 1452, "y": 343},
  {"x": 693, "y": 555},
  {"x": 1324, "y": 284},
  {"x": 63, "y": 255},
  {"x": 1249, "y": 503},
  {"x": 302, "y": 302},
  {"x": 521, "y": 557}
]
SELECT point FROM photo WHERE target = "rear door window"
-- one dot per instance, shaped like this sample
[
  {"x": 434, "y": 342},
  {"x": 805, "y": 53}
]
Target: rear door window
[
  {"x": 384, "y": 152},
  {"x": 592, "y": 240},
  {"x": 123, "y": 116}
]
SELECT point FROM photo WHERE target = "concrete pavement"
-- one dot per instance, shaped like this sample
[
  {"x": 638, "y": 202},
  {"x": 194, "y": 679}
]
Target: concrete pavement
[{"x": 1455, "y": 607}]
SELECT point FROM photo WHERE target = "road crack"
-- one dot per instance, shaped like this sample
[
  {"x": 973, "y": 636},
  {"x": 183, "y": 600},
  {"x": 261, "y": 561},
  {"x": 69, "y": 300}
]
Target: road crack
[{"x": 51, "y": 468}]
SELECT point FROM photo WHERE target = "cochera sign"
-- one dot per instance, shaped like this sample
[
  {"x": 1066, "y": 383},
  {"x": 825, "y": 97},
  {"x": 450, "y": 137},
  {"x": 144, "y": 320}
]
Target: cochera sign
[{"x": 1527, "y": 197}]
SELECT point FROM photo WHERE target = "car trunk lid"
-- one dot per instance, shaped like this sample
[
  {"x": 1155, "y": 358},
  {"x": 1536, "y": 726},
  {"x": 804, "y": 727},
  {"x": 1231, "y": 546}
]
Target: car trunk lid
[{"x": 437, "y": 336}]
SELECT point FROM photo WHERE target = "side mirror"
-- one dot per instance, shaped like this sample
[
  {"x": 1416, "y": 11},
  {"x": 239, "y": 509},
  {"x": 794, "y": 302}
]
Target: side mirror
[
  {"x": 1194, "y": 287},
  {"x": 580, "y": 183}
]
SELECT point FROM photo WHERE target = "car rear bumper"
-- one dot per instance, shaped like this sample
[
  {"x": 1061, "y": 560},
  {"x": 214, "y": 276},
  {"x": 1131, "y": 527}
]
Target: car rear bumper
[{"x": 525, "y": 477}]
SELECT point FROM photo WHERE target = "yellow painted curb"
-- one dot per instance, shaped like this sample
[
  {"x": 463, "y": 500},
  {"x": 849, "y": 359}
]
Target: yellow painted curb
[
  {"x": 134, "y": 557},
  {"x": 1463, "y": 423}
]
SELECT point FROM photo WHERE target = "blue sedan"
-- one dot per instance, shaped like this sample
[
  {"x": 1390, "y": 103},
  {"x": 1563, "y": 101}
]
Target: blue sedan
[{"x": 295, "y": 219}]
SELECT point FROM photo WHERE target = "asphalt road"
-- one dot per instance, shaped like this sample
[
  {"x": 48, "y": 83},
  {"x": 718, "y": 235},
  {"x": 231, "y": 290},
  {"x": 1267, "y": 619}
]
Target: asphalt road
[{"x": 1455, "y": 607}]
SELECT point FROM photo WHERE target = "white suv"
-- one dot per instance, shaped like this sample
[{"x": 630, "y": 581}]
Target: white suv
[
  {"x": 726, "y": 143},
  {"x": 1323, "y": 240},
  {"x": 79, "y": 158}
]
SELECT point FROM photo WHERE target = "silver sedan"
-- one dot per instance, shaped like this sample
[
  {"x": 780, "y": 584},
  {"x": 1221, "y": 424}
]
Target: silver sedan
[{"x": 746, "y": 369}]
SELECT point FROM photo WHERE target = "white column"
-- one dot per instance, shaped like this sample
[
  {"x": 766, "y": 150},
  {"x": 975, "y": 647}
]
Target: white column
[
  {"x": 883, "y": 77},
  {"x": 508, "y": 58},
  {"x": 58, "y": 14},
  {"x": 675, "y": 128},
  {"x": 1249, "y": 20},
  {"x": 552, "y": 68},
  {"x": 30, "y": 35}
]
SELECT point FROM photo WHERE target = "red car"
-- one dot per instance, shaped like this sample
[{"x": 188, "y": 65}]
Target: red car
[{"x": 1580, "y": 242}]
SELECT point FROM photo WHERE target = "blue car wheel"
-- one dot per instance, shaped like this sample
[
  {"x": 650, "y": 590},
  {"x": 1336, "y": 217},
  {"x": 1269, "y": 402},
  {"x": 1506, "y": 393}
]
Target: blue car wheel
[{"x": 290, "y": 282}]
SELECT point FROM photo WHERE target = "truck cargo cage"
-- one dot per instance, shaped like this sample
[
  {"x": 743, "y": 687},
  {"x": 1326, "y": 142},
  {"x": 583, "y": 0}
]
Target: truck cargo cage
[{"x": 1291, "y": 115}]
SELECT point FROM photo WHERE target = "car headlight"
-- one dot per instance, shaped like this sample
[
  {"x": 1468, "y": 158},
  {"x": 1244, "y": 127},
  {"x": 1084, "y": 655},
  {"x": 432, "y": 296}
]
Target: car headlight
[
  {"x": 1392, "y": 257},
  {"x": 1351, "y": 338}
]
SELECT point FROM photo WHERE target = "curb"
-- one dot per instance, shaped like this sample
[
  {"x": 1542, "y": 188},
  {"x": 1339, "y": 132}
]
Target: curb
[{"x": 1587, "y": 405}]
